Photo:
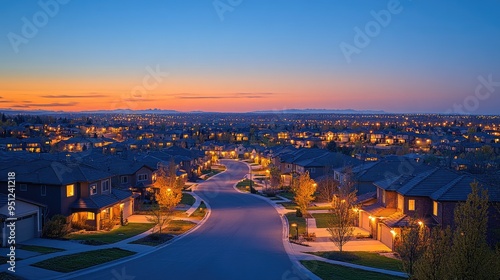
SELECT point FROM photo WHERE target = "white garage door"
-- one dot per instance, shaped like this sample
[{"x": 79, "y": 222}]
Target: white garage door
[
  {"x": 365, "y": 221},
  {"x": 385, "y": 235},
  {"x": 25, "y": 228}
]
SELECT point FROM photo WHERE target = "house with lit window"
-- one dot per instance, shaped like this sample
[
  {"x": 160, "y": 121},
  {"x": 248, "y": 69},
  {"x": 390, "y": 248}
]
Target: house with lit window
[
  {"x": 430, "y": 197},
  {"x": 74, "y": 189}
]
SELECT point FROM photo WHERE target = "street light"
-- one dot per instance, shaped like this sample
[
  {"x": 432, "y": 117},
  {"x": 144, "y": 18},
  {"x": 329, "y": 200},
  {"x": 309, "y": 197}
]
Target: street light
[{"x": 296, "y": 226}]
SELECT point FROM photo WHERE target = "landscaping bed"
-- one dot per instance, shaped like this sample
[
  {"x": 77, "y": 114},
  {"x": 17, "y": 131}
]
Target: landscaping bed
[
  {"x": 73, "y": 262},
  {"x": 116, "y": 235}
]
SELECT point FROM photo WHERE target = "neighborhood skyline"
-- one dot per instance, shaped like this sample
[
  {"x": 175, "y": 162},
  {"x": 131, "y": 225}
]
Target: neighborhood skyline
[{"x": 235, "y": 56}]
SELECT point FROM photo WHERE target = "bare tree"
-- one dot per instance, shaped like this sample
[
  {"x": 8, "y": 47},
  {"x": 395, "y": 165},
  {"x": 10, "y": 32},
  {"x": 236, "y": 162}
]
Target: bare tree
[
  {"x": 274, "y": 179},
  {"x": 328, "y": 187},
  {"x": 342, "y": 218},
  {"x": 411, "y": 244}
]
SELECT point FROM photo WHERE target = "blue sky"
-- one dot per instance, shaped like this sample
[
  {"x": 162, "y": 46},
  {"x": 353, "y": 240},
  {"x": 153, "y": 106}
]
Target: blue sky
[{"x": 427, "y": 59}]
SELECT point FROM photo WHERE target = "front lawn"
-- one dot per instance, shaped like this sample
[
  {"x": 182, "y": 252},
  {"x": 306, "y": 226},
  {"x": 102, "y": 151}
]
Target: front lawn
[
  {"x": 154, "y": 239},
  {"x": 187, "y": 199},
  {"x": 245, "y": 185},
  {"x": 288, "y": 195},
  {"x": 40, "y": 249},
  {"x": 322, "y": 219},
  {"x": 200, "y": 212},
  {"x": 331, "y": 271},
  {"x": 363, "y": 258},
  {"x": 113, "y": 236},
  {"x": 177, "y": 227},
  {"x": 83, "y": 260},
  {"x": 300, "y": 221}
]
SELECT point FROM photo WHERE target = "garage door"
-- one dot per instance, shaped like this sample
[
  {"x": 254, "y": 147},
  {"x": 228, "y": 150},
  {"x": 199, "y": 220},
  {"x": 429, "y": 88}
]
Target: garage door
[
  {"x": 385, "y": 235},
  {"x": 25, "y": 228},
  {"x": 365, "y": 221}
]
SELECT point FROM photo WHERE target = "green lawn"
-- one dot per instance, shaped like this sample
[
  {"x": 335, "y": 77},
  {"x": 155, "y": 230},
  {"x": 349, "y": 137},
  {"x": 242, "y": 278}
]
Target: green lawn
[
  {"x": 363, "y": 258},
  {"x": 289, "y": 205},
  {"x": 187, "y": 199},
  {"x": 300, "y": 221},
  {"x": 40, "y": 249},
  {"x": 322, "y": 219},
  {"x": 177, "y": 227},
  {"x": 83, "y": 260},
  {"x": 8, "y": 276},
  {"x": 245, "y": 185},
  {"x": 200, "y": 211},
  {"x": 154, "y": 239},
  {"x": 331, "y": 271},
  {"x": 288, "y": 195},
  {"x": 113, "y": 236}
]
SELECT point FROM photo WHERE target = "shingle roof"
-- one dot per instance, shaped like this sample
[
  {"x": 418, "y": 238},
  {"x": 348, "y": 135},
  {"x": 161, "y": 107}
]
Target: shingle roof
[{"x": 97, "y": 202}]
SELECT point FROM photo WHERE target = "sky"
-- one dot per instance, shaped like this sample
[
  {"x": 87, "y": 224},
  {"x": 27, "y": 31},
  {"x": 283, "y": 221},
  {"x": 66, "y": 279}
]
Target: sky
[{"x": 244, "y": 55}]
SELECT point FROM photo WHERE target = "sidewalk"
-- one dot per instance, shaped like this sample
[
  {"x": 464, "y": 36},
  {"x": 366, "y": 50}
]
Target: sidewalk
[{"x": 25, "y": 270}]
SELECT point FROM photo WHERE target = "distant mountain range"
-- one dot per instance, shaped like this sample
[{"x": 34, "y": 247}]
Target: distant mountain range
[{"x": 320, "y": 111}]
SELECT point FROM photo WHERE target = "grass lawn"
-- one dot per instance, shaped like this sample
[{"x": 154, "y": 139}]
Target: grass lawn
[
  {"x": 363, "y": 258},
  {"x": 177, "y": 227},
  {"x": 200, "y": 211},
  {"x": 8, "y": 276},
  {"x": 288, "y": 195},
  {"x": 113, "y": 236},
  {"x": 300, "y": 221},
  {"x": 83, "y": 260},
  {"x": 322, "y": 219},
  {"x": 154, "y": 239},
  {"x": 289, "y": 205},
  {"x": 40, "y": 249},
  {"x": 331, "y": 271},
  {"x": 245, "y": 185},
  {"x": 187, "y": 199}
]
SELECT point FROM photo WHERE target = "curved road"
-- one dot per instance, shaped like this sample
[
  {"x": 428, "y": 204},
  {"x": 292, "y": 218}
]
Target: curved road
[{"x": 242, "y": 239}]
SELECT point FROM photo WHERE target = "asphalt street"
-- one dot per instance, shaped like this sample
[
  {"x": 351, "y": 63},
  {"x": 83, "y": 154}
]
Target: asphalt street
[{"x": 242, "y": 239}]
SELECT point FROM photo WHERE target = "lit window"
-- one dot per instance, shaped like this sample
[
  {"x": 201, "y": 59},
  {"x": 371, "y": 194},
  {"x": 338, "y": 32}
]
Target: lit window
[
  {"x": 383, "y": 196},
  {"x": 93, "y": 189},
  {"x": 411, "y": 205},
  {"x": 90, "y": 216},
  {"x": 43, "y": 190},
  {"x": 105, "y": 186},
  {"x": 70, "y": 190},
  {"x": 434, "y": 208},
  {"x": 23, "y": 187}
]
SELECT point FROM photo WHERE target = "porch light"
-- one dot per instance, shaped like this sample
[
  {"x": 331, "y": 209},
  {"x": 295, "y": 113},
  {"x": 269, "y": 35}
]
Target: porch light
[
  {"x": 420, "y": 223},
  {"x": 393, "y": 232}
]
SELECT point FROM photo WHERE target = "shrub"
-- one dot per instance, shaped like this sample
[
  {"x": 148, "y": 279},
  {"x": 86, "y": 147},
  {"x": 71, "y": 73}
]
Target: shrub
[
  {"x": 56, "y": 227},
  {"x": 298, "y": 213}
]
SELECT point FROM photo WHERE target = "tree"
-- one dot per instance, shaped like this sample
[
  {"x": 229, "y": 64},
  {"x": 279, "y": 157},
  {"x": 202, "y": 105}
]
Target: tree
[
  {"x": 327, "y": 188},
  {"x": 343, "y": 217},
  {"x": 433, "y": 264},
  {"x": 168, "y": 193},
  {"x": 304, "y": 189},
  {"x": 411, "y": 244},
  {"x": 471, "y": 258},
  {"x": 274, "y": 178}
]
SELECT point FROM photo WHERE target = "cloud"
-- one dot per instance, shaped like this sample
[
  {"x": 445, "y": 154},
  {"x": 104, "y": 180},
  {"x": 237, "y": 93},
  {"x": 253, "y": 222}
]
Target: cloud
[
  {"x": 54, "y": 104},
  {"x": 237, "y": 95},
  {"x": 92, "y": 95},
  {"x": 5, "y": 101}
]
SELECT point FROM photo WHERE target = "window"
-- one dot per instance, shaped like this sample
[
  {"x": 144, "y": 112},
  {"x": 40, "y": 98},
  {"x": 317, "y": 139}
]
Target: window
[
  {"x": 142, "y": 177},
  {"x": 434, "y": 208},
  {"x": 93, "y": 189},
  {"x": 124, "y": 179},
  {"x": 90, "y": 216},
  {"x": 105, "y": 186},
  {"x": 383, "y": 196},
  {"x": 70, "y": 190},
  {"x": 313, "y": 170},
  {"x": 411, "y": 205},
  {"x": 43, "y": 190},
  {"x": 23, "y": 187}
]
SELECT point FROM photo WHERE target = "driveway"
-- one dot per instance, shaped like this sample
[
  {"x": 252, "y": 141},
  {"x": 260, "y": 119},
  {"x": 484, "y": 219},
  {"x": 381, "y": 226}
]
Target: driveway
[{"x": 242, "y": 239}]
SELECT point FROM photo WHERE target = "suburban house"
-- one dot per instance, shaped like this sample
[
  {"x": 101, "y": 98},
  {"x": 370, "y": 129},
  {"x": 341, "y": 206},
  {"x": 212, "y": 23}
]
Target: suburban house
[
  {"x": 429, "y": 196},
  {"x": 74, "y": 189}
]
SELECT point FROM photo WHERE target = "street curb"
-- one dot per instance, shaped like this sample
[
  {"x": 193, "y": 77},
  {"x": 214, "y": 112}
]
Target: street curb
[{"x": 138, "y": 255}]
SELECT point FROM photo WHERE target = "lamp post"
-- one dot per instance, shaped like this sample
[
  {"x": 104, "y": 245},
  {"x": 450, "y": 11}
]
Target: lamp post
[{"x": 296, "y": 226}]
